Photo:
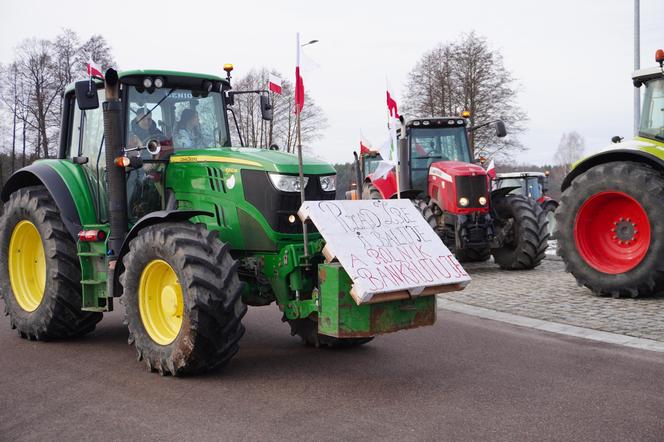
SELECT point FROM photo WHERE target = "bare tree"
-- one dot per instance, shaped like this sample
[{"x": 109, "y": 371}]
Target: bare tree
[
  {"x": 467, "y": 75},
  {"x": 97, "y": 49},
  {"x": 570, "y": 149},
  {"x": 31, "y": 87},
  {"x": 281, "y": 130}
]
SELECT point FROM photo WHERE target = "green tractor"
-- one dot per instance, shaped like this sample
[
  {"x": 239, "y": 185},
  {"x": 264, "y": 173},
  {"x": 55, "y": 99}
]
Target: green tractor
[
  {"x": 148, "y": 201},
  {"x": 610, "y": 222}
]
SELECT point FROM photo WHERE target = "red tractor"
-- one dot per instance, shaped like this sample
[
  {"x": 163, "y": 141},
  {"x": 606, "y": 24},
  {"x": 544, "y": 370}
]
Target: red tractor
[
  {"x": 438, "y": 173},
  {"x": 532, "y": 184}
]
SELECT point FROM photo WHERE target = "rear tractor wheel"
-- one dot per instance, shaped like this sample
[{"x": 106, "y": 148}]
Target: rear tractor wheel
[
  {"x": 522, "y": 224},
  {"x": 39, "y": 271},
  {"x": 182, "y": 299},
  {"x": 610, "y": 229}
]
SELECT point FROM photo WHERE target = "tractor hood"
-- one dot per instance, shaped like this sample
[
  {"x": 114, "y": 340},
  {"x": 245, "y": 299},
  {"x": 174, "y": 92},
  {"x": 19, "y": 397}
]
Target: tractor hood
[
  {"x": 268, "y": 160},
  {"x": 449, "y": 169}
]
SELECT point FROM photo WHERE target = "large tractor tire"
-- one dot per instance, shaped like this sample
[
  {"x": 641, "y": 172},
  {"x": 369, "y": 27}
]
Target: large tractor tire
[
  {"x": 307, "y": 330},
  {"x": 369, "y": 192},
  {"x": 425, "y": 209},
  {"x": 610, "y": 229},
  {"x": 549, "y": 208},
  {"x": 40, "y": 277},
  {"x": 526, "y": 240},
  {"x": 181, "y": 293}
]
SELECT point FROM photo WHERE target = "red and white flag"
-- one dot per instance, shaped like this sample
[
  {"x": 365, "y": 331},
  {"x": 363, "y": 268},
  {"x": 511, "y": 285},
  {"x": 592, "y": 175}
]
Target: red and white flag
[
  {"x": 299, "y": 83},
  {"x": 365, "y": 145},
  {"x": 491, "y": 170},
  {"x": 94, "y": 70},
  {"x": 274, "y": 84}
]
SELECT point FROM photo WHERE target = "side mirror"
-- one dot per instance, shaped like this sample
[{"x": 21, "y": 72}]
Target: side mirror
[
  {"x": 86, "y": 95},
  {"x": 153, "y": 146},
  {"x": 500, "y": 129},
  {"x": 266, "y": 108}
]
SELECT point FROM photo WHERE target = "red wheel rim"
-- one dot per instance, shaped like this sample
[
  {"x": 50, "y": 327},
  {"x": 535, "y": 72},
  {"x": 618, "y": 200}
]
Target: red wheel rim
[{"x": 612, "y": 232}]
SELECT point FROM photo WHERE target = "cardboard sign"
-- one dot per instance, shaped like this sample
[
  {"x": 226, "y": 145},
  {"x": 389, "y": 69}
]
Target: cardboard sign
[{"x": 385, "y": 246}]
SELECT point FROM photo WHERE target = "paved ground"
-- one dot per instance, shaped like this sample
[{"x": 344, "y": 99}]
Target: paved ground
[
  {"x": 551, "y": 294},
  {"x": 463, "y": 379}
]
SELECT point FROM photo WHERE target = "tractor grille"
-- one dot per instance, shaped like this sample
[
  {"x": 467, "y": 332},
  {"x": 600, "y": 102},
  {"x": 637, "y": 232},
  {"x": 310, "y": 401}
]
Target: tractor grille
[
  {"x": 472, "y": 187},
  {"x": 277, "y": 206},
  {"x": 216, "y": 179}
]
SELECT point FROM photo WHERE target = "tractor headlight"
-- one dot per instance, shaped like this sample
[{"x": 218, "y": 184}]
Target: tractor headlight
[
  {"x": 482, "y": 201},
  {"x": 287, "y": 183},
  {"x": 328, "y": 183},
  {"x": 463, "y": 201}
]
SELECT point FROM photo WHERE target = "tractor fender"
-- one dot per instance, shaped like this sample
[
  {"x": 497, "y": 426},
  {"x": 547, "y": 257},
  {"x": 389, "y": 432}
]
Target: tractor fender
[
  {"x": 407, "y": 194},
  {"x": 638, "y": 156},
  {"x": 42, "y": 174},
  {"x": 501, "y": 193},
  {"x": 158, "y": 217}
]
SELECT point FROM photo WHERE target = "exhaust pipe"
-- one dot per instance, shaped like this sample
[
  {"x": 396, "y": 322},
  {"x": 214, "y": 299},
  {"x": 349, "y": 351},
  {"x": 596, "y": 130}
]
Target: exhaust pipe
[{"x": 117, "y": 188}]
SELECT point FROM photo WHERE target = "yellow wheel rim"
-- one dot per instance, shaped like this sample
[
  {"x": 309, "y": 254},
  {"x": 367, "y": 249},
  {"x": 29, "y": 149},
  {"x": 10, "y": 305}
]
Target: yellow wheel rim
[
  {"x": 160, "y": 301},
  {"x": 27, "y": 266}
]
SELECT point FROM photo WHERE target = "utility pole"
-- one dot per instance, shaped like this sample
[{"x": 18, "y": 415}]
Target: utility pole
[{"x": 637, "y": 65}]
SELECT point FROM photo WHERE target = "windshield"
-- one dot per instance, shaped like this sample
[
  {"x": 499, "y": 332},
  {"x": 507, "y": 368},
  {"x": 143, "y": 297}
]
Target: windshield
[
  {"x": 428, "y": 146},
  {"x": 533, "y": 187},
  {"x": 371, "y": 163},
  {"x": 178, "y": 118},
  {"x": 652, "y": 117},
  {"x": 444, "y": 144}
]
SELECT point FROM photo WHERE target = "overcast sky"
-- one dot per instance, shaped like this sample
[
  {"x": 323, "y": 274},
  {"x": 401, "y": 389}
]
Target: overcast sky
[{"x": 573, "y": 59}]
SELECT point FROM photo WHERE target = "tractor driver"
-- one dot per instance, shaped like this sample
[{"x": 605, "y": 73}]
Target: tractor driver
[
  {"x": 144, "y": 128},
  {"x": 188, "y": 130}
]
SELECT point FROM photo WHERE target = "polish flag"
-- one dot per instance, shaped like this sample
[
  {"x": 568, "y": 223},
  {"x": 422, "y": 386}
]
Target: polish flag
[
  {"x": 94, "y": 70},
  {"x": 491, "y": 170},
  {"x": 275, "y": 84},
  {"x": 299, "y": 83},
  {"x": 392, "y": 106},
  {"x": 365, "y": 145}
]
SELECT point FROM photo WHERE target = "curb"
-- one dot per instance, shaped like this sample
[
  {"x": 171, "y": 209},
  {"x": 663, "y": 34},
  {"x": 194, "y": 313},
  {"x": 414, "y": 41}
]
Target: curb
[{"x": 553, "y": 327}]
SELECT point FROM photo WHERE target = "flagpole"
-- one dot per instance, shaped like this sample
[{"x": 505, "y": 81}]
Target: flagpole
[
  {"x": 298, "y": 111},
  {"x": 393, "y": 141}
]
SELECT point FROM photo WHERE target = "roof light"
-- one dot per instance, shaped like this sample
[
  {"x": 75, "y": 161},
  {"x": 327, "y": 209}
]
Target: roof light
[
  {"x": 450, "y": 122},
  {"x": 416, "y": 123},
  {"x": 228, "y": 67},
  {"x": 425, "y": 122},
  {"x": 459, "y": 122},
  {"x": 147, "y": 82},
  {"x": 659, "y": 56},
  {"x": 465, "y": 114},
  {"x": 158, "y": 82}
]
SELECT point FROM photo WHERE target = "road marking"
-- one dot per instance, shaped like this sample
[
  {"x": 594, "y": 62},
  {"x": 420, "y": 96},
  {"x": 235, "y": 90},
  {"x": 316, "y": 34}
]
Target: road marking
[{"x": 553, "y": 327}]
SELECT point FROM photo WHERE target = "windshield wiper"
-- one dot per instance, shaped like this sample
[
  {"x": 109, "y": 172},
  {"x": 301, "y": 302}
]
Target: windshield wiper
[{"x": 155, "y": 106}]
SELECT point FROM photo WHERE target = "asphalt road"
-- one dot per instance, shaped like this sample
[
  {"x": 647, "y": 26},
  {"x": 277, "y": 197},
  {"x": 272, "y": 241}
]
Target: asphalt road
[{"x": 462, "y": 379}]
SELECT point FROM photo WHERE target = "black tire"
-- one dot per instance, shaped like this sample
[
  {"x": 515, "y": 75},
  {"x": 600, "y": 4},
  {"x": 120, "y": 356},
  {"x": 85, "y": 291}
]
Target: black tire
[
  {"x": 427, "y": 213},
  {"x": 211, "y": 291},
  {"x": 643, "y": 184},
  {"x": 525, "y": 245},
  {"x": 59, "y": 313},
  {"x": 307, "y": 330},
  {"x": 549, "y": 208},
  {"x": 369, "y": 192},
  {"x": 473, "y": 255}
]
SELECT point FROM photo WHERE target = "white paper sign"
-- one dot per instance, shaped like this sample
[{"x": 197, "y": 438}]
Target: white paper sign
[{"x": 384, "y": 246}]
